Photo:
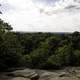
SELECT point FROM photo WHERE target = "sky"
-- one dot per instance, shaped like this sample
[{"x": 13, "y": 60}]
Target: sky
[{"x": 42, "y": 15}]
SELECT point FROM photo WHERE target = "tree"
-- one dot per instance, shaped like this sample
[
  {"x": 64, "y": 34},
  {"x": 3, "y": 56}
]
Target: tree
[
  {"x": 77, "y": 56},
  {"x": 10, "y": 48},
  {"x": 5, "y": 27}
]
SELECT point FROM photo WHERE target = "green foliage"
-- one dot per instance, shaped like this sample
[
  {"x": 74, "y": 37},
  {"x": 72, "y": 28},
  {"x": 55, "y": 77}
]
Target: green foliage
[
  {"x": 53, "y": 62},
  {"x": 10, "y": 48},
  {"x": 77, "y": 56},
  {"x": 4, "y": 27},
  {"x": 10, "y": 51},
  {"x": 38, "y": 57},
  {"x": 38, "y": 50}
]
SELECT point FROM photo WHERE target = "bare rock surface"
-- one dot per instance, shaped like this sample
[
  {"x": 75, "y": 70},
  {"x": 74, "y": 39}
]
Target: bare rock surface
[
  {"x": 70, "y": 73},
  {"x": 20, "y": 78}
]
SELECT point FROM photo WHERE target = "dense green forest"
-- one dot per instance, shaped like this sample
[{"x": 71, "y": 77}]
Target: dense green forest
[{"x": 38, "y": 50}]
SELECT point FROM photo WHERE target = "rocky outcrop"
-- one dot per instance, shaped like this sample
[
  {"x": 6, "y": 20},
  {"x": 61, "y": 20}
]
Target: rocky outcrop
[
  {"x": 26, "y": 73},
  {"x": 20, "y": 78},
  {"x": 29, "y": 74}
]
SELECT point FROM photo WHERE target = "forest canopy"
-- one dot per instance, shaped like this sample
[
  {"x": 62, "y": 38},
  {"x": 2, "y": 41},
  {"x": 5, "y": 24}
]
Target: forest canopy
[{"x": 38, "y": 50}]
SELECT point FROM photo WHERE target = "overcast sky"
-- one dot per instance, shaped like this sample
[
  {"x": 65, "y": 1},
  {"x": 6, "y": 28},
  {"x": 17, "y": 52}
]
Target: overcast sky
[{"x": 42, "y": 15}]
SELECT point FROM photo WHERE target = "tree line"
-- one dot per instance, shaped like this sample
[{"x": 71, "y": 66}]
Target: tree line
[{"x": 38, "y": 50}]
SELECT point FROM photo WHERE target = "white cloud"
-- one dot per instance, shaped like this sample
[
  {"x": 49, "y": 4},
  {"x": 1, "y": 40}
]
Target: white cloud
[{"x": 27, "y": 17}]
